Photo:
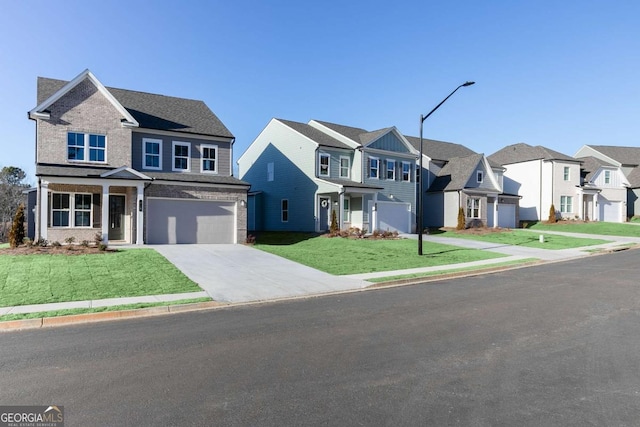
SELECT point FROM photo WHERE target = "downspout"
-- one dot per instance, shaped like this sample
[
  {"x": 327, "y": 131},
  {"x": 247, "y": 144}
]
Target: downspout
[
  {"x": 233, "y": 140},
  {"x": 540, "y": 190}
]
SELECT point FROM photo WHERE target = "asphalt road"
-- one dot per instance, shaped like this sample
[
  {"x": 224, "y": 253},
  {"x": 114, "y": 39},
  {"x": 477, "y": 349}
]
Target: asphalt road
[{"x": 553, "y": 345}]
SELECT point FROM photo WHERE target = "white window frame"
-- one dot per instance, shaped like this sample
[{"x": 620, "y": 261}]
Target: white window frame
[
  {"x": 72, "y": 210},
  {"x": 471, "y": 207},
  {"x": 406, "y": 174},
  {"x": 480, "y": 176},
  {"x": 391, "y": 163},
  {"x": 566, "y": 204},
  {"x": 145, "y": 154},
  {"x": 86, "y": 147},
  {"x": 270, "y": 172},
  {"x": 322, "y": 156},
  {"x": 566, "y": 173},
  {"x": 346, "y": 168},
  {"x": 372, "y": 168},
  {"x": 174, "y": 144},
  {"x": 203, "y": 158},
  {"x": 284, "y": 211},
  {"x": 607, "y": 177},
  {"x": 346, "y": 210}
]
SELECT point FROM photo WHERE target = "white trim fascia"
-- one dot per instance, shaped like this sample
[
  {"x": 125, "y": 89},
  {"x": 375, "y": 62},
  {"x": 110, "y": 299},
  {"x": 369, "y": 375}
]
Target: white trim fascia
[
  {"x": 492, "y": 175},
  {"x": 82, "y": 180},
  {"x": 127, "y": 169},
  {"x": 212, "y": 138},
  {"x": 298, "y": 133},
  {"x": 392, "y": 153},
  {"x": 131, "y": 122},
  {"x": 199, "y": 184}
]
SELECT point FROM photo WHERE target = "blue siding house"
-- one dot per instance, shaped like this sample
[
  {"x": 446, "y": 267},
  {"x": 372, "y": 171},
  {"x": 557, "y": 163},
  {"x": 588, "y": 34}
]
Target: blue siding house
[{"x": 301, "y": 172}]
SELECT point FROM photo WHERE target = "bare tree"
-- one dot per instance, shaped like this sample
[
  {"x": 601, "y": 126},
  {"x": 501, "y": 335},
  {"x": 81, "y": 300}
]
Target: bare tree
[{"x": 11, "y": 187}]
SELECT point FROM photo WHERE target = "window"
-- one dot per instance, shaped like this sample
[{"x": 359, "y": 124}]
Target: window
[
  {"x": 60, "y": 210},
  {"x": 566, "y": 204},
  {"x": 71, "y": 210},
  {"x": 209, "y": 158},
  {"x": 374, "y": 167},
  {"x": 284, "y": 210},
  {"x": 323, "y": 168},
  {"x": 270, "y": 171},
  {"x": 480, "y": 177},
  {"x": 406, "y": 171},
  {"x": 473, "y": 207},
  {"x": 566, "y": 173},
  {"x": 152, "y": 153},
  {"x": 86, "y": 147},
  {"x": 391, "y": 170},
  {"x": 607, "y": 177},
  {"x": 82, "y": 210},
  {"x": 345, "y": 167},
  {"x": 345, "y": 210},
  {"x": 181, "y": 156}
]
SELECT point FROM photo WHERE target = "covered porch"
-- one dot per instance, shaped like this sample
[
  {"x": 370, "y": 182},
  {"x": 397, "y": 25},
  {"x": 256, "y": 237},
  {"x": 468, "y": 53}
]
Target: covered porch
[{"x": 348, "y": 201}]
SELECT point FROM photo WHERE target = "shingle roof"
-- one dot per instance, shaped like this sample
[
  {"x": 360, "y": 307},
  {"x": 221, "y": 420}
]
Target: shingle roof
[
  {"x": 624, "y": 155},
  {"x": 314, "y": 134},
  {"x": 95, "y": 172},
  {"x": 439, "y": 150},
  {"x": 634, "y": 178},
  {"x": 347, "y": 183},
  {"x": 522, "y": 152},
  {"x": 348, "y": 131},
  {"x": 154, "y": 111},
  {"x": 591, "y": 164},
  {"x": 456, "y": 173}
]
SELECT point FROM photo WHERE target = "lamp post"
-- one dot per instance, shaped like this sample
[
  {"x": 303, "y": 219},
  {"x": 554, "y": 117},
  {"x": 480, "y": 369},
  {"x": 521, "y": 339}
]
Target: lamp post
[{"x": 420, "y": 185}]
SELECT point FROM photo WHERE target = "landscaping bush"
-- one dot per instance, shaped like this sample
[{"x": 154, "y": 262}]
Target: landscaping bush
[
  {"x": 16, "y": 235},
  {"x": 333, "y": 228},
  {"x": 461, "y": 220}
]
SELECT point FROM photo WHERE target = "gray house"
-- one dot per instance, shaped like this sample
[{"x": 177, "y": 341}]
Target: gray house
[
  {"x": 135, "y": 167},
  {"x": 302, "y": 172}
]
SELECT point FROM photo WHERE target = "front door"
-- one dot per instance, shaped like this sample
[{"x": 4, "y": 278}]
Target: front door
[
  {"x": 116, "y": 217},
  {"x": 325, "y": 205}
]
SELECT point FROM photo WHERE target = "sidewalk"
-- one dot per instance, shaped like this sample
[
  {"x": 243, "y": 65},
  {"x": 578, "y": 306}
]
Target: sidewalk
[{"x": 355, "y": 281}]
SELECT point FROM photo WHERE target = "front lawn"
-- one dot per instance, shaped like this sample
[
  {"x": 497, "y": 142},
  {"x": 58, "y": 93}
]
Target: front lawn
[
  {"x": 39, "y": 279},
  {"x": 525, "y": 238},
  {"x": 352, "y": 256},
  {"x": 602, "y": 228}
]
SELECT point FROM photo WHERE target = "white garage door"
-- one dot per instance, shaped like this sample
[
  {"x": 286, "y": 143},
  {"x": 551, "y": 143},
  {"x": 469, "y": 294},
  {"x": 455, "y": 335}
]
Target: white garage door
[
  {"x": 609, "y": 211},
  {"x": 506, "y": 216},
  {"x": 392, "y": 216},
  {"x": 171, "y": 221}
]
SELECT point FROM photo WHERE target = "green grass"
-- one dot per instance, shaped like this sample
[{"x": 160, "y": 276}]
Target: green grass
[
  {"x": 71, "y": 311},
  {"x": 351, "y": 256},
  {"x": 453, "y": 270},
  {"x": 4, "y": 245},
  {"x": 603, "y": 228},
  {"x": 39, "y": 279},
  {"x": 528, "y": 239}
]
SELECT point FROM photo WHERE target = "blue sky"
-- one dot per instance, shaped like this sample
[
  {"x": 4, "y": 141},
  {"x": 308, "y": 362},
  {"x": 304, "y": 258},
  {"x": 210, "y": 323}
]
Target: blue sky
[{"x": 557, "y": 74}]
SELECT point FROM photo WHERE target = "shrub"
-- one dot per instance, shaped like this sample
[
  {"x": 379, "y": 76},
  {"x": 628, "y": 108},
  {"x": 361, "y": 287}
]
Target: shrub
[
  {"x": 333, "y": 228},
  {"x": 41, "y": 242},
  {"x": 250, "y": 240},
  {"x": 69, "y": 240},
  {"x": 461, "y": 220},
  {"x": 97, "y": 238},
  {"x": 56, "y": 244},
  {"x": 16, "y": 235},
  {"x": 552, "y": 214},
  {"x": 84, "y": 243},
  {"x": 102, "y": 247}
]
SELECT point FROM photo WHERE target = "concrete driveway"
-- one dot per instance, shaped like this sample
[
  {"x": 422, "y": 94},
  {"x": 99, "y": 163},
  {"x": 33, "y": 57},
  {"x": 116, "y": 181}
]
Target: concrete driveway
[{"x": 238, "y": 273}]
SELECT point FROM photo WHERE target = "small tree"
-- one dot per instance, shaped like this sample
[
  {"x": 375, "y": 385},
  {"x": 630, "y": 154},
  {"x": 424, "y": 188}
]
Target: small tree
[
  {"x": 16, "y": 235},
  {"x": 333, "y": 228},
  {"x": 462, "y": 222},
  {"x": 552, "y": 214}
]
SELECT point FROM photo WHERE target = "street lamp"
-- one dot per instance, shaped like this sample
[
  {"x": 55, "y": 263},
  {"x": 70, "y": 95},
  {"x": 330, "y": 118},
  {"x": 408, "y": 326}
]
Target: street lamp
[{"x": 420, "y": 186}]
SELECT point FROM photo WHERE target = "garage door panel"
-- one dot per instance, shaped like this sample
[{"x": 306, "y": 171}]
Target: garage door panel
[
  {"x": 506, "y": 215},
  {"x": 610, "y": 211},
  {"x": 171, "y": 221},
  {"x": 393, "y": 216}
]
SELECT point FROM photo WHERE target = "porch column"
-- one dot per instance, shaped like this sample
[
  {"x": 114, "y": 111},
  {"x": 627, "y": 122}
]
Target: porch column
[
  {"x": 140, "y": 215},
  {"x": 105, "y": 213},
  {"x": 44, "y": 209},
  {"x": 341, "y": 209},
  {"x": 581, "y": 206},
  {"x": 596, "y": 210},
  {"x": 373, "y": 221},
  {"x": 495, "y": 212}
]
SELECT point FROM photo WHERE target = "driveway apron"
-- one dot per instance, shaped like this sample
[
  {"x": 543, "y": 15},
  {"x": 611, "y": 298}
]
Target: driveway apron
[{"x": 238, "y": 273}]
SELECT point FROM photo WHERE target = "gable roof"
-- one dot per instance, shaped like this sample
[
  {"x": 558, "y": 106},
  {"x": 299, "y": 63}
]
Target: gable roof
[
  {"x": 148, "y": 110},
  {"x": 439, "y": 150},
  {"x": 521, "y": 152},
  {"x": 314, "y": 134},
  {"x": 348, "y": 131},
  {"x": 456, "y": 173},
  {"x": 629, "y": 156},
  {"x": 591, "y": 164}
]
